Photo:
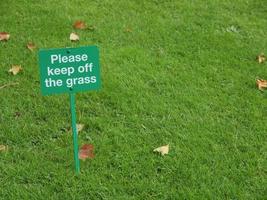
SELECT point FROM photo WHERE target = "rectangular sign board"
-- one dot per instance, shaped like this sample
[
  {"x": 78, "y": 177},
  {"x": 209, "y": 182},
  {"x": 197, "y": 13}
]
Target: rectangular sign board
[{"x": 69, "y": 70}]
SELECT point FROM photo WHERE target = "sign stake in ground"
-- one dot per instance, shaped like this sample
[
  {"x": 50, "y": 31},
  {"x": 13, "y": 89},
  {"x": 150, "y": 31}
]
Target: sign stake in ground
[
  {"x": 70, "y": 70},
  {"x": 74, "y": 132}
]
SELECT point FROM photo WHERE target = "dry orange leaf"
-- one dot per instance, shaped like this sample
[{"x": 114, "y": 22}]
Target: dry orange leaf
[
  {"x": 15, "y": 69},
  {"x": 79, "y": 25},
  {"x": 31, "y": 46},
  {"x": 4, "y": 36},
  {"x": 261, "y": 58},
  {"x": 261, "y": 84},
  {"x": 3, "y": 147},
  {"x": 74, "y": 37},
  {"x": 163, "y": 150},
  {"x": 86, "y": 151}
]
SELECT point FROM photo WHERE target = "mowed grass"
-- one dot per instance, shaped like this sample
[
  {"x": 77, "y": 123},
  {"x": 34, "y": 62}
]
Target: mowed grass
[{"x": 185, "y": 76}]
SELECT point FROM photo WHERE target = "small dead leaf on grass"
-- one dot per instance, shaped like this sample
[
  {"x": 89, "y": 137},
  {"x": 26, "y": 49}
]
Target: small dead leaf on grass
[
  {"x": 79, "y": 128},
  {"x": 74, "y": 37},
  {"x": 86, "y": 151},
  {"x": 15, "y": 69},
  {"x": 3, "y": 147},
  {"x": 4, "y": 36},
  {"x": 261, "y": 84},
  {"x": 261, "y": 58},
  {"x": 79, "y": 25},
  {"x": 31, "y": 46},
  {"x": 163, "y": 150}
]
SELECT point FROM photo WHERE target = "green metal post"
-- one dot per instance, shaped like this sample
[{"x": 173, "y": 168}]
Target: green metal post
[{"x": 74, "y": 132}]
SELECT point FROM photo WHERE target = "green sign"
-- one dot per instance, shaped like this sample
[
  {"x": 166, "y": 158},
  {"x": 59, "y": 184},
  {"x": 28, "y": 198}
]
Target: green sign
[{"x": 69, "y": 70}]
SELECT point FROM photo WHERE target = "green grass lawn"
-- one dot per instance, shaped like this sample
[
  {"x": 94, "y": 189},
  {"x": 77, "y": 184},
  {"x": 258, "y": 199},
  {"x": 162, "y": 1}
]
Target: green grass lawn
[{"x": 185, "y": 76}]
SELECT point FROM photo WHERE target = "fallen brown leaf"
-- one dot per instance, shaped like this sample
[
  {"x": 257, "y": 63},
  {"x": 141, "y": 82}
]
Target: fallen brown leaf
[
  {"x": 261, "y": 58},
  {"x": 163, "y": 150},
  {"x": 74, "y": 37},
  {"x": 4, "y": 36},
  {"x": 86, "y": 151},
  {"x": 15, "y": 69},
  {"x": 79, "y": 25},
  {"x": 31, "y": 46},
  {"x": 3, "y": 147},
  {"x": 261, "y": 84}
]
